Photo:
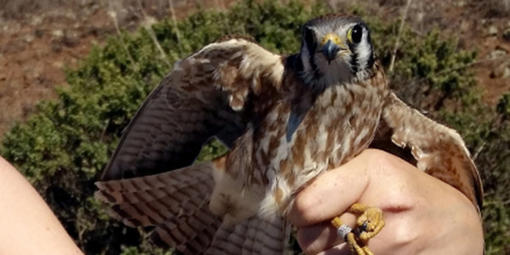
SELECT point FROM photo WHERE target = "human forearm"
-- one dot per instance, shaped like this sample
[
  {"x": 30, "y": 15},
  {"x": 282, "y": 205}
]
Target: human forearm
[{"x": 27, "y": 225}]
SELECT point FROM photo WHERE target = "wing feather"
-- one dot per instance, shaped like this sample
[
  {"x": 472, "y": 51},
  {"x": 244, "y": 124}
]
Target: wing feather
[
  {"x": 437, "y": 149},
  {"x": 210, "y": 93}
]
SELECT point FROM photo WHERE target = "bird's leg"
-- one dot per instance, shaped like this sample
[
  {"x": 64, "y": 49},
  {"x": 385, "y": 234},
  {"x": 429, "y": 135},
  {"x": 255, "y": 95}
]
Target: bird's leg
[{"x": 369, "y": 223}]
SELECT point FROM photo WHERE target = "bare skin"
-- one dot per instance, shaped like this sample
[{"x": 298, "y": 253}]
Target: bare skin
[
  {"x": 27, "y": 225},
  {"x": 422, "y": 214}
]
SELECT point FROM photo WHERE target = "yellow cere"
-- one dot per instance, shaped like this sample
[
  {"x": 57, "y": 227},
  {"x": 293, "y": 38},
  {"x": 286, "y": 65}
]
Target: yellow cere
[{"x": 334, "y": 38}]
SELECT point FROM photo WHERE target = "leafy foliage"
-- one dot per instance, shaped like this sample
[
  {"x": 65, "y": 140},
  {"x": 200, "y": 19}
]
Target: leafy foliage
[{"x": 63, "y": 147}]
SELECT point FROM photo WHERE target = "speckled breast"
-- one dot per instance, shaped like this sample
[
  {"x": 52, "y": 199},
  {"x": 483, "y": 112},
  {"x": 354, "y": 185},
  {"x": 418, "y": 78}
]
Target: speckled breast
[{"x": 341, "y": 123}]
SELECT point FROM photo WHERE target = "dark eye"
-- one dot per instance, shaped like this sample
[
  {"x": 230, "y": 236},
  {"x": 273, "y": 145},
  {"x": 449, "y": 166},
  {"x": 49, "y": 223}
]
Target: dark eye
[
  {"x": 309, "y": 38},
  {"x": 356, "y": 34}
]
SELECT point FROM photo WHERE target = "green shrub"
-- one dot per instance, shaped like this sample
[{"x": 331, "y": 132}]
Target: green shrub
[{"x": 63, "y": 147}]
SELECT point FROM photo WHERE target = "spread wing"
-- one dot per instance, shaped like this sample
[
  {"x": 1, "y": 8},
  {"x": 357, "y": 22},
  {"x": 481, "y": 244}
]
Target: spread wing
[
  {"x": 210, "y": 93},
  {"x": 437, "y": 149}
]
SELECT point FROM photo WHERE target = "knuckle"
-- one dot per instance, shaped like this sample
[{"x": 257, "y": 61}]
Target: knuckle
[{"x": 378, "y": 159}]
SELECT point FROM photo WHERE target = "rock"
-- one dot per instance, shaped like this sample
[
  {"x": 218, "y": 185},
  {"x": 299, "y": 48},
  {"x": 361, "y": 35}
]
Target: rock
[
  {"x": 502, "y": 71},
  {"x": 28, "y": 38},
  {"x": 506, "y": 35},
  {"x": 36, "y": 20},
  {"x": 506, "y": 72},
  {"x": 11, "y": 27},
  {"x": 58, "y": 64},
  {"x": 464, "y": 26},
  {"x": 493, "y": 30},
  {"x": 460, "y": 3},
  {"x": 497, "y": 53},
  {"x": 57, "y": 33}
]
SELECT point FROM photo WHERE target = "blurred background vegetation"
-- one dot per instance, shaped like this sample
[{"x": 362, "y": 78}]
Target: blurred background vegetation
[{"x": 64, "y": 145}]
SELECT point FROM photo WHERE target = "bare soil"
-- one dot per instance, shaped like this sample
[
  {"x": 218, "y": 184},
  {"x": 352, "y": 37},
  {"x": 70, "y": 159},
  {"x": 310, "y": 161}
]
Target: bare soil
[{"x": 39, "y": 39}]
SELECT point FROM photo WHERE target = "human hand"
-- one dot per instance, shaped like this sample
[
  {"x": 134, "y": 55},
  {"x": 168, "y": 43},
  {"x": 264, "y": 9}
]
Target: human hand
[{"x": 422, "y": 214}]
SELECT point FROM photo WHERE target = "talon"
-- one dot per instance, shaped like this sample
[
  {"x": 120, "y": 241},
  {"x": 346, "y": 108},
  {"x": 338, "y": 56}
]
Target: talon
[
  {"x": 369, "y": 223},
  {"x": 353, "y": 244},
  {"x": 367, "y": 251},
  {"x": 363, "y": 226}
]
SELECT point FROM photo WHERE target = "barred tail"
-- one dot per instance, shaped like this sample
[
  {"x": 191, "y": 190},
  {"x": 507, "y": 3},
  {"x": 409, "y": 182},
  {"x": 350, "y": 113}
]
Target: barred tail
[
  {"x": 253, "y": 236},
  {"x": 176, "y": 203}
]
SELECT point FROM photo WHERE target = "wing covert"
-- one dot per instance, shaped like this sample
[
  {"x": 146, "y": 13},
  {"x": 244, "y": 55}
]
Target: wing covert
[{"x": 210, "y": 93}]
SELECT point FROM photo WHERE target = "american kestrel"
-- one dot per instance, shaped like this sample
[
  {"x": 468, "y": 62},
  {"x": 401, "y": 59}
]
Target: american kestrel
[{"x": 286, "y": 119}]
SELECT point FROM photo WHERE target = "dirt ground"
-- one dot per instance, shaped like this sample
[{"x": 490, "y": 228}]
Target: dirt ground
[{"x": 39, "y": 39}]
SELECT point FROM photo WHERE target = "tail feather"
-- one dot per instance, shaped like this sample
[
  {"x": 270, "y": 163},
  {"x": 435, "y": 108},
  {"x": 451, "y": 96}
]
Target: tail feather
[
  {"x": 191, "y": 234},
  {"x": 253, "y": 236},
  {"x": 176, "y": 204}
]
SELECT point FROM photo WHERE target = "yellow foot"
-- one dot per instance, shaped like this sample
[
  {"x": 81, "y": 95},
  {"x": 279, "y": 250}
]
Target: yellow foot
[{"x": 369, "y": 223}]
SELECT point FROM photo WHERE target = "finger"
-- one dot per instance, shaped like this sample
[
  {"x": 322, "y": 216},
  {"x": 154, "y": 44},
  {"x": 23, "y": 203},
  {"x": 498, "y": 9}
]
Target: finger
[
  {"x": 333, "y": 192},
  {"x": 323, "y": 236}
]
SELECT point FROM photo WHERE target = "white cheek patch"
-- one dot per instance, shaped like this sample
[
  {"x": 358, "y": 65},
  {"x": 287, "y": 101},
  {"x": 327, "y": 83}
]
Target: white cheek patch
[{"x": 364, "y": 51}]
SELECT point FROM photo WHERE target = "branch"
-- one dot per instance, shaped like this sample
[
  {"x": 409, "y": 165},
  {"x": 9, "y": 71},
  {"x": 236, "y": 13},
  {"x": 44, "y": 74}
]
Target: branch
[
  {"x": 147, "y": 24},
  {"x": 113, "y": 16},
  {"x": 174, "y": 23},
  {"x": 397, "y": 42}
]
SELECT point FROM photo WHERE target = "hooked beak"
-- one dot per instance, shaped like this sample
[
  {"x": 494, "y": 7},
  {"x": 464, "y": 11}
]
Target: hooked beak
[
  {"x": 331, "y": 45},
  {"x": 330, "y": 50}
]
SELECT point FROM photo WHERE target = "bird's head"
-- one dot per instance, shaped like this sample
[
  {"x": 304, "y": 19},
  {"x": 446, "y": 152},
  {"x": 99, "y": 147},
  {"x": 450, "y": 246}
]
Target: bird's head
[{"x": 335, "y": 49}]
